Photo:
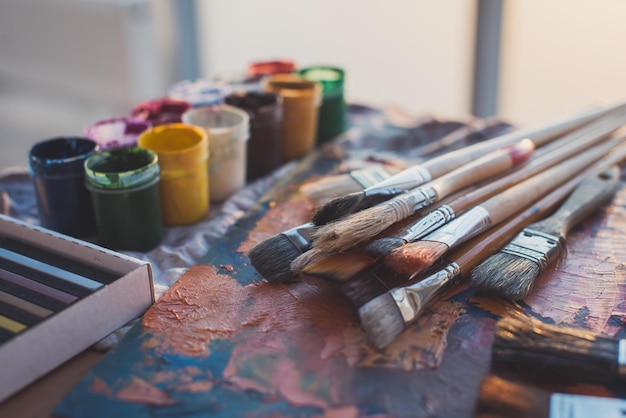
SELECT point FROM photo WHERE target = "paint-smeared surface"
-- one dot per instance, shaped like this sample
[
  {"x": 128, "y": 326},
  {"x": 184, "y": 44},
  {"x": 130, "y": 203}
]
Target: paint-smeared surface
[{"x": 222, "y": 343}]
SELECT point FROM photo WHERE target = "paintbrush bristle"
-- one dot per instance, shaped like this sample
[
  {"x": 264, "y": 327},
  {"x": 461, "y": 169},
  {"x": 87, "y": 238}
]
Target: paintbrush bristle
[
  {"x": 381, "y": 320},
  {"x": 272, "y": 258},
  {"x": 503, "y": 398},
  {"x": 506, "y": 275},
  {"x": 337, "y": 208},
  {"x": 339, "y": 266},
  {"x": 312, "y": 256},
  {"x": 557, "y": 352},
  {"x": 327, "y": 189},
  {"x": 383, "y": 246},
  {"x": 356, "y": 228},
  {"x": 415, "y": 257}
]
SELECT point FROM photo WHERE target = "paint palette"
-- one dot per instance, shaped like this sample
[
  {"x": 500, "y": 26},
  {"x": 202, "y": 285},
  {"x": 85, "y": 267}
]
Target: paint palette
[{"x": 61, "y": 290}]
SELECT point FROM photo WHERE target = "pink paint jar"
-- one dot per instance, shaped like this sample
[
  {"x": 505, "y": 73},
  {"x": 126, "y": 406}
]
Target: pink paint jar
[
  {"x": 160, "y": 111},
  {"x": 120, "y": 132}
]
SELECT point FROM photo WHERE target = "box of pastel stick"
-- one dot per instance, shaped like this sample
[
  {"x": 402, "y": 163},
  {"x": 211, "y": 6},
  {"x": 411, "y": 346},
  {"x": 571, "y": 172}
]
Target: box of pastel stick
[{"x": 58, "y": 296}]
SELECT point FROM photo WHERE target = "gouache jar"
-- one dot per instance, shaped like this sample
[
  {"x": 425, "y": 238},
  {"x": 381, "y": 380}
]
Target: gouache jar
[
  {"x": 124, "y": 185},
  {"x": 266, "y": 113},
  {"x": 183, "y": 158},
  {"x": 63, "y": 202},
  {"x": 116, "y": 132},
  {"x": 332, "y": 119},
  {"x": 160, "y": 111},
  {"x": 301, "y": 101},
  {"x": 227, "y": 128}
]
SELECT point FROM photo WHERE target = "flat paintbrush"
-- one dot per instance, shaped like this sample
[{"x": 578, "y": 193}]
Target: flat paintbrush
[
  {"x": 419, "y": 255},
  {"x": 513, "y": 271},
  {"x": 530, "y": 347},
  {"x": 350, "y": 231},
  {"x": 544, "y": 158},
  {"x": 386, "y": 316},
  {"x": 501, "y": 397},
  {"x": 272, "y": 257},
  {"x": 417, "y": 175}
]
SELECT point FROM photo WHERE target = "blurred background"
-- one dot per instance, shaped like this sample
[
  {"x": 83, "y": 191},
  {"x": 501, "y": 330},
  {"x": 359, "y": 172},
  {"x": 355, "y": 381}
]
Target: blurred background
[{"x": 67, "y": 63}]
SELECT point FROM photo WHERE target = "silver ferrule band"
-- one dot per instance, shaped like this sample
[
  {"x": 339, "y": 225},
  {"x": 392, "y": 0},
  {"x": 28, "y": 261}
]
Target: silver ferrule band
[
  {"x": 466, "y": 226},
  {"x": 370, "y": 176},
  {"x": 621, "y": 358},
  {"x": 407, "y": 204},
  {"x": 405, "y": 180},
  {"x": 535, "y": 246},
  {"x": 414, "y": 299},
  {"x": 429, "y": 223},
  {"x": 301, "y": 236}
]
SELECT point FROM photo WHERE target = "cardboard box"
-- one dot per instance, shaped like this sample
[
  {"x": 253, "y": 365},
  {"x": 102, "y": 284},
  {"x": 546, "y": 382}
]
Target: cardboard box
[{"x": 43, "y": 346}]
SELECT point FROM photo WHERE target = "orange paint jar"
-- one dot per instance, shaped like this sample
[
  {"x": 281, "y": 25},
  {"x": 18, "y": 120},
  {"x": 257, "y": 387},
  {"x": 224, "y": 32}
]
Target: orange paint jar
[{"x": 183, "y": 159}]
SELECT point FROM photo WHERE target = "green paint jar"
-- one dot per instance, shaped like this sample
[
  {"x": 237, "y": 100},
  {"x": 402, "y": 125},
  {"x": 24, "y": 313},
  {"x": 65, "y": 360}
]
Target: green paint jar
[
  {"x": 124, "y": 187},
  {"x": 332, "y": 119}
]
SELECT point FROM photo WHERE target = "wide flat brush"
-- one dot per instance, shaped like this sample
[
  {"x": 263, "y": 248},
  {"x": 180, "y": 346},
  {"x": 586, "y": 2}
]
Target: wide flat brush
[
  {"x": 528, "y": 346},
  {"x": 272, "y": 258},
  {"x": 417, "y": 175},
  {"x": 544, "y": 158},
  {"x": 501, "y": 397},
  {"x": 419, "y": 255},
  {"x": 513, "y": 271},
  {"x": 387, "y": 315},
  {"x": 350, "y": 231}
]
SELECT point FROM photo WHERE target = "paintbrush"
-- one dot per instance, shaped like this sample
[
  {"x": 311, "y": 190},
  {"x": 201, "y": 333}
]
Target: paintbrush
[
  {"x": 552, "y": 154},
  {"x": 387, "y": 315},
  {"x": 366, "y": 224},
  {"x": 526, "y": 345},
  {"x": 501, "y": 397},
  {"x": 419, "y": 255},
  {"x": 272, "y": 257},
  {"x": 512, "y": 272},
  {"x": 417, "y": 175}
]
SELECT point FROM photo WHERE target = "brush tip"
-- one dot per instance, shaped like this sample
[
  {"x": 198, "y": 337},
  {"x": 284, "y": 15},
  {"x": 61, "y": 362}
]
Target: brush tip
[
  {"x": 382, "y": 247},
  {"x": 505, "y": 275},
  {"x": 381, "y": 320},
  {"x": 416, "y": 256},
  {"x": 337, "y": 208},
  {"x": 272, "y": 258},
  {"x": 338, "y": 267}
]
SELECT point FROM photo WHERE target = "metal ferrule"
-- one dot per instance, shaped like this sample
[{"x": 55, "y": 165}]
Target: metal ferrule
[
  {"x": 404, "y": 180},
  {"x": 536, "y": 246},
  {"x": 429, "y": 223},
  {"x": 301, "y": 236},
  {"x": 407, "y": 204},
  {"x": 621, "y": 357},
  {"x": 412, "y": 300},
  {"x": 368, "y": 177},
  {"x": 470, "y": 224}
]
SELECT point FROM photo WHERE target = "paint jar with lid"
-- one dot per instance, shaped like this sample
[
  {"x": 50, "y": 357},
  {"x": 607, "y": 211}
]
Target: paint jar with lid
[
  {"x": 266, "y": 113},
  {"x": 258, "y": 70},
  {"x": 183, "y": 157},
  {"x": 63, "y": 202},
  {"x": 301, "y": 101},
  {"x": 227, "y": 128},
  {"x": 124, "y": 186},
  {"x": 116, "y": 132},
  {"x": 198, "y": 92},
  {"x": 160, "y": 111},
  {"x": 332, "y": 119}
]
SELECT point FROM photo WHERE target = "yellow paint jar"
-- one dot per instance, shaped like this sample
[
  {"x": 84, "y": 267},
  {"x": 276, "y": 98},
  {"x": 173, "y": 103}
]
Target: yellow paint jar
[
  {"x": 301, "y": 102},
  {"x": 183, "y": 159}
]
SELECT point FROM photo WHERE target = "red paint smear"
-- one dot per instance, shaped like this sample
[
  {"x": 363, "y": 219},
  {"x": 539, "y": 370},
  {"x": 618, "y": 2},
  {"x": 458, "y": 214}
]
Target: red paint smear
[
  {"x": 99, "y": 386},
  {"x": 143, "y": 392}
]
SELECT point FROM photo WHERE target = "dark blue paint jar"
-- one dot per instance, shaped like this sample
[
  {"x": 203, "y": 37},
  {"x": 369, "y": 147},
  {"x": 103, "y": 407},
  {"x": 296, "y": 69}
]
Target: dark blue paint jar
[{"x": 58, "y": 173}]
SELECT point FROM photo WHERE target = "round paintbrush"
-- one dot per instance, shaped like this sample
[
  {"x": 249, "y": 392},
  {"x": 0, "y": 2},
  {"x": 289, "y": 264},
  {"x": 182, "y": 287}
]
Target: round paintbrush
[
  {"x": 512, "y": 272},
  {"x": 436, "y": 167},
  {"x": 557, "y": 352},
  {"x": 347, "y": 233},
  {"x": 419, "y": 255},
  {"x": 544, "y": 158},
  {"x": 387, "y": 315}
]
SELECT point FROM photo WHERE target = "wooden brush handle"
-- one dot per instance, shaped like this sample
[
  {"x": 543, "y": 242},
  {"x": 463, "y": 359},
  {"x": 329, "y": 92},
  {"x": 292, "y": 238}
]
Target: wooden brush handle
[
  {"x": 503, "y": 205},
  {"x": 483, "y": 168},
  {"x": 445, "y": 163}
]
